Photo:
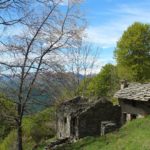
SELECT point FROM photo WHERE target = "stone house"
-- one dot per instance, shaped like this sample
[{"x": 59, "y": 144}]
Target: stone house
[
  {"x": 134, "y": 99},
  {"x": 78, "y": 118}
]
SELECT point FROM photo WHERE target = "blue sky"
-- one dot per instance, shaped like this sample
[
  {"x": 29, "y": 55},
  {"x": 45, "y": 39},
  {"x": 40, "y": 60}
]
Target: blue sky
[{"x": 107, "y": 19}]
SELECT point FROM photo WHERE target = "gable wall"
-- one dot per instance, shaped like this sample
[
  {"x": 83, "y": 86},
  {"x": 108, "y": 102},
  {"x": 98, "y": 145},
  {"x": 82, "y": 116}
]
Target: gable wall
[
  {"x": 90, "y": 121},
  {"x": 63, "y": 126}
]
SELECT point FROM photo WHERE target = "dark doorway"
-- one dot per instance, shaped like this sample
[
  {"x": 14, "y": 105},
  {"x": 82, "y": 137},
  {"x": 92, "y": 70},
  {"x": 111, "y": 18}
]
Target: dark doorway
[
  {"x": 65, "y": 120},
  {"x": 73, "y": 126},
  {"x": 124, "y": 118},
  {"x": 133, "y": 116}
]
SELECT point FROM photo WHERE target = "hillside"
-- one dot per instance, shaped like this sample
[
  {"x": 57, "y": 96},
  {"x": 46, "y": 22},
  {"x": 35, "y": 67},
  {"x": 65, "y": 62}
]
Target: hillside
[{"x": 134, "y": 135}]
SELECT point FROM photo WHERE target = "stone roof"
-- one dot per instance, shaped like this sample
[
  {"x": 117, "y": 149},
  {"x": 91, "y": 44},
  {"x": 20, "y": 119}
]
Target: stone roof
[
  {"x": 135, "y": 91},
  {"x": 79, "y": 105},
  {"x": 74, "y": 105},
  {"x": 100, "y": 101}
]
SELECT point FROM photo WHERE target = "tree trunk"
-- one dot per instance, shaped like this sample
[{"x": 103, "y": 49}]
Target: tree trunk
[
  {"x": 19, "y": 134},
  {"x": 19, "y": 128}
]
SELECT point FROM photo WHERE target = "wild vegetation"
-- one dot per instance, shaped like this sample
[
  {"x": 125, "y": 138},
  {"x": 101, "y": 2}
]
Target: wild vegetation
[
  {"x": 37, "y": 129},
  {"x": 7, "y": 110}
]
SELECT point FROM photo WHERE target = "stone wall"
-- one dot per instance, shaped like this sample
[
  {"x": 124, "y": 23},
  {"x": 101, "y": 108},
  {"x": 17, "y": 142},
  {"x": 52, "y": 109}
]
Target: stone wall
[
  {"x": 135, "y": 107},
  {"x": 132, "y": 109},
  {"x": 90, "y": 121},
  {"x": 63, "y": 126}
]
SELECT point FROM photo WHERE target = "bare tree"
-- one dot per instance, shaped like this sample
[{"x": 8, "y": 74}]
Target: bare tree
[
  {"x": 82, "y": 63},
  {"x": 24, "y": 56},
  {"x": 12, "y": 11}
]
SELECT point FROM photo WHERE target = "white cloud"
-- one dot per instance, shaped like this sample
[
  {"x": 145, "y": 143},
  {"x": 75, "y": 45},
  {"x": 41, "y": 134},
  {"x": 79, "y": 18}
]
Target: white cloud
[
  {"x": 108, "y": 33},
  {"x": 105, "y": 36}
]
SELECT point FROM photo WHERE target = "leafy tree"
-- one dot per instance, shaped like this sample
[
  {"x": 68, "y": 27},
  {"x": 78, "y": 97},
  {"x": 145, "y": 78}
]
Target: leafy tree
[
  {"x": 105, "y": 83},
  {"x": 133, "y": 53}
]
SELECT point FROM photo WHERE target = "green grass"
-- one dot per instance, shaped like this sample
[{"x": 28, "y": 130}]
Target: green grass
[{"x": 135, "y": 135}]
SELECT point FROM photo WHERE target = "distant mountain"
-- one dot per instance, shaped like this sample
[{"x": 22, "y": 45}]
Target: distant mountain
[{"x": 47, "y": 89}]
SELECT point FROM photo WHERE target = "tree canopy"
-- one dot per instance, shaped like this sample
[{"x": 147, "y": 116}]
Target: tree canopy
[
  {"x": 133, "y": 53},
  {"x": 105, "y": 83}
]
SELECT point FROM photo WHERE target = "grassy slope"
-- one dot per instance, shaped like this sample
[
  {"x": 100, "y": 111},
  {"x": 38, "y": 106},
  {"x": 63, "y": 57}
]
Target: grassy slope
[{"x": 134, "y": 135}]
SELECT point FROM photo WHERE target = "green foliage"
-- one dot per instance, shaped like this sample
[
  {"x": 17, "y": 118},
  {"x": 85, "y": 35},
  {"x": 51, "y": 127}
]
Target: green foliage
[
  {"x": 66, "y": 94},
  {"x": 10, "y": 142},
  {"x": 44, "y": 126},
  {"x": 135, "y": 135},
  {"x": 7, "y": 113},
  {"x": 133, "y": 53},
  {"x": 36, "y": 130},
  {"x": 105, "y": 83},
  {"x": 84, "y": 86}
]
